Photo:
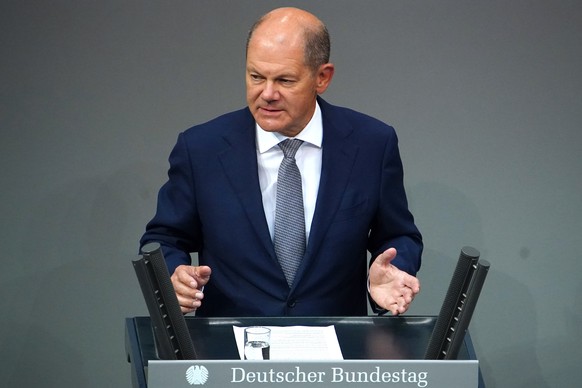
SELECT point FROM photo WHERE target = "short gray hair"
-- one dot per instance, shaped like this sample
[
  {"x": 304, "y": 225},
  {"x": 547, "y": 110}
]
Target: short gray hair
[{"x": 317, "y": 44}]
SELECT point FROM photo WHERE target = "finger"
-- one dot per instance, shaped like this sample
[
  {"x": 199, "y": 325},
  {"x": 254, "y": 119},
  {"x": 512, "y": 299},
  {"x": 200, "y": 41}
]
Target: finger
[
  {"x": 184, "y": 274},
  {"x": 400, "y": 300},
  {"x": 196, "y": 277},
  {"x": 203, "y": 273},
  {"x": 398, "y": 308},
  {"x": 188, "y": 297},
  {"x": 386, "y": 257},
  {"x": 412, "y": 283},
  {"x": 405, "y": 298},
  {"x": 193, "y": 277},
  {"x": 190, "y": 277},
  {"x": 394, "y": 309},
  {"x": 185, "y": 310},
  {"x": 407, "y": 295},
  {"x": 189, "y": 302},
  {"x": 186, "y": 305},
  {"x": 187, "y": 291},
  {"x": 203, "y": 277},
  {"x": 405, "y": 280},
  {"x": 183, "y": 288}
]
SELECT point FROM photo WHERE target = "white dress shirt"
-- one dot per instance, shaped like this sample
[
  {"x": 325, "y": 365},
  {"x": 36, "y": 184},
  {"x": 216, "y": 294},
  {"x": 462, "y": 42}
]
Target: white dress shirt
[{"x": 308, "y": 158}]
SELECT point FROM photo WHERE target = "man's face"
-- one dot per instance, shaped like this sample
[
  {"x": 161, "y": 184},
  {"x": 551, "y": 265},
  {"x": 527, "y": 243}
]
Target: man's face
[{"x": 281, "y": 89}]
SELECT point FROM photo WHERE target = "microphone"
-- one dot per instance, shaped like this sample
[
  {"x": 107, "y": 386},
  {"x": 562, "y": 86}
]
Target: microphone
[
  {"x": 458, "y": 307},
  {"x": 173, "y": 341}
]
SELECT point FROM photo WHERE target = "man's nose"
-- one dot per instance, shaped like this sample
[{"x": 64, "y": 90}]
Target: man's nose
[{"x": 270, "y": 91}]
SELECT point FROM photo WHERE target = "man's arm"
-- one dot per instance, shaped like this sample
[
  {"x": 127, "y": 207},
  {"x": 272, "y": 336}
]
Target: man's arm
[
  {"x": 176, "y": 227},
  {"x": 176, "y": 223},
  {"x": 395, "y": 242}
]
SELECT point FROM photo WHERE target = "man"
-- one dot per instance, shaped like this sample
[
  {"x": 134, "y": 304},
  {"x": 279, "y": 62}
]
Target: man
[{"x": 221, "y": 196}]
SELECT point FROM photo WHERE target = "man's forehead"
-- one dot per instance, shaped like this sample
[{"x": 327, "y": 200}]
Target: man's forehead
[{"x": 276, "y": 36}]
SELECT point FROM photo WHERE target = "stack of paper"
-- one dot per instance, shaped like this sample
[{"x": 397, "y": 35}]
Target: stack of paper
[{"x": 298, "y": 343}]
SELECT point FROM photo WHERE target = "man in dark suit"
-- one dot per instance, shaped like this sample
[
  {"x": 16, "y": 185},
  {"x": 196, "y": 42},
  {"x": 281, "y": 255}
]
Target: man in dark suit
[{"x": 221, "y": 196}]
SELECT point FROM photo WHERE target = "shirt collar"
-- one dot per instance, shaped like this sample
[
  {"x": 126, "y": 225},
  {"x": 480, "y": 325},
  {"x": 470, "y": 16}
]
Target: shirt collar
[{"x": 312, "y": 133}]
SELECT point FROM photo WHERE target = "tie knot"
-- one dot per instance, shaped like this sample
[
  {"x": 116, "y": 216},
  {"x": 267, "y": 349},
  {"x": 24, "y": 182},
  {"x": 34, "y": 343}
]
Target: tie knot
[{"x": 290, "y": 147}]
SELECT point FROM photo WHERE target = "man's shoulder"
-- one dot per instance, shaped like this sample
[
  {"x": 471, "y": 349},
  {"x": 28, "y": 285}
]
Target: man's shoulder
[
  {"x": 212, "y": 135},
  {"x": 225, "y": 121},
  {"x": 340, "y": 115}
]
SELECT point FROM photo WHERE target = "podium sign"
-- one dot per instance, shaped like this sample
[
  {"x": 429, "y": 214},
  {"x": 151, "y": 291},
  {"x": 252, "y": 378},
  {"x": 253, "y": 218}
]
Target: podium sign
[
  {"x": 347, "y": 373},
  {"x": 385, "y": 351}
]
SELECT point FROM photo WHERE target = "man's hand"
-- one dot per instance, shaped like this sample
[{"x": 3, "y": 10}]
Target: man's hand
[
  {"x": 188, "y": 282},
  {"x": 391, "y": 288}
]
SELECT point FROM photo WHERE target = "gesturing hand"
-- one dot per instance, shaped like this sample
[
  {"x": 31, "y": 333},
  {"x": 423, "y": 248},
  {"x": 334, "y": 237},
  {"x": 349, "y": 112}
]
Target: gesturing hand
[
  {"x": 391, "y": 288},
  {"x": 188, "y": 282}
]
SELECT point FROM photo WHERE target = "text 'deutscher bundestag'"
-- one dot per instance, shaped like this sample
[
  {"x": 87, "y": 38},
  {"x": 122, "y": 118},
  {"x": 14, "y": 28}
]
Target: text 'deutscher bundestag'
[{"x": 365, "y": 373}]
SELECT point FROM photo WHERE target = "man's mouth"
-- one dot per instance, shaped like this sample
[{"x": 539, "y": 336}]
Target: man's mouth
[{"x": 269, "y": 110}]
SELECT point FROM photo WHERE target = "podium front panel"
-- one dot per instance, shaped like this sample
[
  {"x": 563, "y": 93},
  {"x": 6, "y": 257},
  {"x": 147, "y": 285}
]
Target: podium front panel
[
  {"x": 291, "y": 374},
  {"x": 382, "y": 338}
]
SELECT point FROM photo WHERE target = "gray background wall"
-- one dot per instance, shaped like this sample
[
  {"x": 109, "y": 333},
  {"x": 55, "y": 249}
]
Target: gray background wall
[{"x": 485, "y": 96}]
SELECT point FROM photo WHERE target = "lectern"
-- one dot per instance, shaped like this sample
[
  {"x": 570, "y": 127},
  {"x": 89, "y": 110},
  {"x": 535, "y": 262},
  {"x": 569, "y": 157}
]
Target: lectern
[
  {"x": 167, "y": 350},
  {"x": 372, "y": 346}
]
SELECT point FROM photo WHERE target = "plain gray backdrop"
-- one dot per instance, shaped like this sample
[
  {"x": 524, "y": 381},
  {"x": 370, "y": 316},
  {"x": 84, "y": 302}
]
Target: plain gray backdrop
[{"x": 486, "y": 97}]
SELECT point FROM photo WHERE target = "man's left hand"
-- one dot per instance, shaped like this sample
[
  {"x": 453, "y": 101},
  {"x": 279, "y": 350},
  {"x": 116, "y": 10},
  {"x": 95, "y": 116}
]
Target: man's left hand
[{"x": 391, "y": 288}]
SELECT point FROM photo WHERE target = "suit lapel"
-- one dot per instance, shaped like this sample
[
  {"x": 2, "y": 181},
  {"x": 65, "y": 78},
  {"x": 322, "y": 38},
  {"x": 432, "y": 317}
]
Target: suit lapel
[
  {"x": 338, "y": 157},
  {"x": 239, "y": 160}
]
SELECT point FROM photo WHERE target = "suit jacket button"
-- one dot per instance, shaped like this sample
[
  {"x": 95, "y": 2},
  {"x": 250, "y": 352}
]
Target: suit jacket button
[{"x": 291, "y": 303}]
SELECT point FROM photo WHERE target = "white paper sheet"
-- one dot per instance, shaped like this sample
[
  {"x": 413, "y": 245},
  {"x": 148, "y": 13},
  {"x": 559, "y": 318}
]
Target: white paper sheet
[{"x": 298, "y": 343}]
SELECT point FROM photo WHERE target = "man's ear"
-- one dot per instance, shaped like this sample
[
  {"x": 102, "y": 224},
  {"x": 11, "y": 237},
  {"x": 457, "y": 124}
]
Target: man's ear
[{"x": 324, "y": 76}]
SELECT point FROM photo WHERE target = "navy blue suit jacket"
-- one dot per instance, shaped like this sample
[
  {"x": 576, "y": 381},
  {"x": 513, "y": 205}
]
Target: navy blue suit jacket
[{"x": 212, "y": 204}]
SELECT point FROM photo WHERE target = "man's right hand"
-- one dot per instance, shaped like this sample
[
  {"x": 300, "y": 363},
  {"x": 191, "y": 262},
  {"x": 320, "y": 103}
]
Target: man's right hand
[{"x": 188, "y": 282}]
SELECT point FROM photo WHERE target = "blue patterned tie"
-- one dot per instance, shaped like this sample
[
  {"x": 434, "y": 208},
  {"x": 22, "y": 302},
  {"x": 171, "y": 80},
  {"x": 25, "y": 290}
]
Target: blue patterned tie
[{"x": 289, "y": 237}]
